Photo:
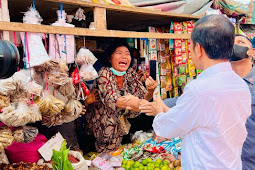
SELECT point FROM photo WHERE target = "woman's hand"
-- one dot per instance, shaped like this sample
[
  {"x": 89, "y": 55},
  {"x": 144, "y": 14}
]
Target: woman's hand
[
  {"x": 83, "y": 112},
  {"x": 151, "y": 84},
  {"x": 129, "y": 102},
  {"x": 92, "y": 97}
]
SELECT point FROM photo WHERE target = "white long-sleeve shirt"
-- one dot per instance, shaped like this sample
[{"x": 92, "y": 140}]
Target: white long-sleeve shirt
[{"x": 211, "y": 116}]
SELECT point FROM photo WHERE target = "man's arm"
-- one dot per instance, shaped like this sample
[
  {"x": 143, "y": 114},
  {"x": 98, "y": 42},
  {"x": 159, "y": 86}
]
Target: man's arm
[{"x": 181, "y": 119}]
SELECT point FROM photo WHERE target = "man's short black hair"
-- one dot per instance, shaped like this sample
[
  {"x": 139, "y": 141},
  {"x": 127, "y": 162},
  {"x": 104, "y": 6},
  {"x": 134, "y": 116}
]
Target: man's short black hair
[{"x": 216, "y": 34}]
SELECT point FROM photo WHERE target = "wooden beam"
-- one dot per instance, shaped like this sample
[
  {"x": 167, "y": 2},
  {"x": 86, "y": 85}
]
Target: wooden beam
[
  {"x": 5, "y": 17},
  {"x": 21, "y": 27},
  {"x": 100, "y": 18},
  {"x": 137, "y": 10}
]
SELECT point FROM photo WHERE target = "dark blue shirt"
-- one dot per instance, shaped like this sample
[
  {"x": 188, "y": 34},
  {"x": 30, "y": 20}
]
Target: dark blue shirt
[{"x": 248, "y": 152}]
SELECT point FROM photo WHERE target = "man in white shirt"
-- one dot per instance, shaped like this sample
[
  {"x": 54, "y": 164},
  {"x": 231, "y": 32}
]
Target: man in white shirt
[{"x": 212, "y": 112}]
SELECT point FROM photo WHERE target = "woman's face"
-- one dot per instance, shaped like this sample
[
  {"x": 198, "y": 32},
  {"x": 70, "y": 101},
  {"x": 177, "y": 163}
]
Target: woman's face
[{"x": 121, "y": 59}]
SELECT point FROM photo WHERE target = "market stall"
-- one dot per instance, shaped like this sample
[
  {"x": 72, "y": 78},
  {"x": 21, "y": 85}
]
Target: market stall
[{"x": 50, "y": 86}]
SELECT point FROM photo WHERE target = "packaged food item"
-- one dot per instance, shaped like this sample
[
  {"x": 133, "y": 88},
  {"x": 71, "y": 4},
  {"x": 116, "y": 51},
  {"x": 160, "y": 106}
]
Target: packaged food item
[
  {"x": 191, "y": 68},
  {"x": 163, "y": 69},
  {"x": 49, "y": 104},
  {"x": 29, "y": 133},
  {"x": 178, "y": 43},
  {"x": 73, "y": 108},
  {"x": 4, "y": 101},
  {"x": 176, "y": 92},
  {"x": 88, "y": 72},
  {"x": 153, "y": 44},
  {"x": 7, "y": 86},
  {"x": 182, "y": 69},
  {"x": 19, "y": 114},
  {"x": 57, "y": 78},
  {"x": 168, "y": 83},
  {"x": 184, "y": 27},
  {"x": 162, "y": 56},
  {"x": 182, "y": 80},
  {"x": 53, "y": 65},
  {"x": 85, "y": 56},
  {"x": 18, "y": 135},
  {"x": 190, "y": 26},
  {"x": 67, "y": 90},
  {"x": 163, "y": 93},
  {"x": 153, "y": 55},
  {"x": 198, "y": 72},
  {"x": 6, "y": 137},
  {"x": 177, "y": 27},
  {"x": 3, "y": 158}
]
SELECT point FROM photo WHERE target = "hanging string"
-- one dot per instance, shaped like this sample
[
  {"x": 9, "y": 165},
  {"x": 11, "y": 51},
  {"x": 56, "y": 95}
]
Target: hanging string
[
  {"x": 15, "y": 43},
  {"x": 25, "y": 52},
  {"x": 33, "y": 4},
  {"x": 61, "y": 9},
  {"x": 45, "y": 42},
  {"x": 28, "y": 61}
]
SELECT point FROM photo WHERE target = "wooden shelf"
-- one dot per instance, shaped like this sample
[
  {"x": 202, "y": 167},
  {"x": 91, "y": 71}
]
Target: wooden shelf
[
  {"x": 110, "y": 20},
  {"x": 21, "y": 27}
]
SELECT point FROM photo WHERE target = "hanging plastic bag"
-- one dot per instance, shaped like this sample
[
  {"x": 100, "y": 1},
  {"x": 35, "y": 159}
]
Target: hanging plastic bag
[
  {"x": 73, "y": 108},
  {"x": 29, "y": 133},
  {"x": 19, "y": 114},
  {"x": 67, "y": 90},
  {"x": 53, "y": 65},
  {"x": 32, "y": 42},
  {"x": 4, "y": 101},
  {"x": 6, "y": 137},
  {"x": 18, "y": 135},
  {"x": 57, "y": 78},
  {"x": 85, "y": 56},
  {"x": 23, "y": 80},
  {"x": 62, "y": 46},
  {"x": 49, "y": 105},
  {"x": 7, "y": 86},
  {"x": 88, "y": 72}
]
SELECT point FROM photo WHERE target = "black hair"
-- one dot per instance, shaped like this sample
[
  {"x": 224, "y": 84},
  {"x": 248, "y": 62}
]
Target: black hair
[
  {"x": 216, "y": 34},
  {"x": 112, "y": 47}
]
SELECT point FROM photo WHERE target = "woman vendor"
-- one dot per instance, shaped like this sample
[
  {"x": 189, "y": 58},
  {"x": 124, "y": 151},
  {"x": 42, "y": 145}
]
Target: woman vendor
[{"x": 107, "y": 122}]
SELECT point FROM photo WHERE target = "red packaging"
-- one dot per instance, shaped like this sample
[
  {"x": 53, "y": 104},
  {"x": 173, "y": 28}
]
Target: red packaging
[
  {"x": 26, "y": 152},
  {"x": 177, "y": 43},
  {"x": 190, "y": 26},
  {"x": 177, "y": 27},
  {"x": 75, "y": 76}
]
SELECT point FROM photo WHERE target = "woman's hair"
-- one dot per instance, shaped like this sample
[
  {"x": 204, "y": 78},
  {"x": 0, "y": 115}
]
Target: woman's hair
[{"x": 111, "y": 48}]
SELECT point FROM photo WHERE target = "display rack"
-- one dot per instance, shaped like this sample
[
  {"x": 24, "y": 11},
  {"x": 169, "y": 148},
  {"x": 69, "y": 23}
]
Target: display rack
[{"x": 110, "y": 20}]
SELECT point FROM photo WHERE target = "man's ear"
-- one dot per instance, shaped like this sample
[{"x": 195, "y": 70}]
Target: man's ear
[
  {"x": 251, "y": 52},
  {"x": 199, "y": 50}
]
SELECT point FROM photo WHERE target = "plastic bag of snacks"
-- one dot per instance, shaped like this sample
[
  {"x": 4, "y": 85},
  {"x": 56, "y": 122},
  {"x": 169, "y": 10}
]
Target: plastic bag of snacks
[
  {"x": 29, "y": 133},
  {"x": 18, "y": 135},
  {"x": 85, "y": 56},
  {"x": 7, "y": 86},
  {"x": 49, "y": 105},
  {"x": 88, "y": 72},
  {"x": 6, "y": 137},
  {"x": 19, "y": 114},
  {"x": 53, "y": 64},
  {"x": 67, "y": 90},
  {"x": 57, "y": 78},
  {"x": 4, "y": 101},
  {"x": 73, "y": 108}
]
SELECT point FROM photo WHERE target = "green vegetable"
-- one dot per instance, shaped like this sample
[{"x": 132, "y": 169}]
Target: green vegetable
[{"x": 60, "y": 158}]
